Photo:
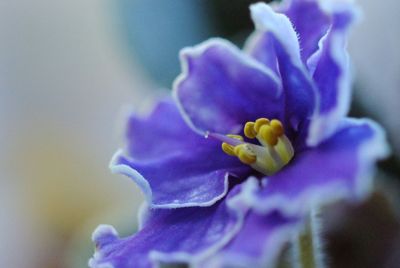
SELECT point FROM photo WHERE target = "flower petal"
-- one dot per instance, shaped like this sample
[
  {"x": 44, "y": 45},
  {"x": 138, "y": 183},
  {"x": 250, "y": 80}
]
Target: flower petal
[
  {"x": 299, "y": 89},
  {"x": 278, "y": 26},
  {"x": 221, "y": 88},
  {"x": 260, "y": 45},
  {"x": 185, "y": 235},
  {"x": 161, "y": 133},
  {"x": 339, "y": 167},
  {"x": 174, "y": 166},
  {"x": 310, "y": 23},
  {"x": 330, "y": 68},
  {"x": 258, "y": 243}
]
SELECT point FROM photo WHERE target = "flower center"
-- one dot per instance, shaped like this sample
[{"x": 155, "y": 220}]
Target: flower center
[{"x": 274, "y": 152}]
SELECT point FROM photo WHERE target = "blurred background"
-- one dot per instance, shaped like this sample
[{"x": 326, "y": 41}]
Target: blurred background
[{"x": 69, "y": 70}]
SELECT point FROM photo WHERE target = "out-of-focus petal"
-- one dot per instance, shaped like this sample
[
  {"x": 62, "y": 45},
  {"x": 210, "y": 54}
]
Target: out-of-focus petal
[
  {"x": 340, "y": 167},
  {"x": 258, "y": 243},
  {"x": 185, "y": 235},
  {"x": 299, "y": 90},
  {"x": 330, "y": 69},
  {"x": 221, "y": 88},
  {"x": 173, "y": 165}
]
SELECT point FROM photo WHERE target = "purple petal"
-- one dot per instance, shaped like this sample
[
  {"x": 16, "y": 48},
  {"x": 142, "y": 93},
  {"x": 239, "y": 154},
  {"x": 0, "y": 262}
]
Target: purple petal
[
  {"x": 258, "y": 243},
  {"x": 261, "y": 46},
  {"x": 310, "y": 23},
  {"x": 340, "y": 167},
  {"x": 174, "y": 166},
  {"x": 158, "y": 134},
  {"x": 330, "y": 68},
  {"x": 278, "y": 26},
  {"x": 221, "y": 88},
  {"x": 187, "y": 235},
  {"x": 299, "y": 89}
]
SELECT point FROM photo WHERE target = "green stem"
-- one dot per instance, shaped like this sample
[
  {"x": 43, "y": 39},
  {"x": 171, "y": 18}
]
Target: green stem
[{"x": 308, "y": 252}]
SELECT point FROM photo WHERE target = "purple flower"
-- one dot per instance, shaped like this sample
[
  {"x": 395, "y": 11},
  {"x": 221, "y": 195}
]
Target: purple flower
[{"x": 278, "y": 110}]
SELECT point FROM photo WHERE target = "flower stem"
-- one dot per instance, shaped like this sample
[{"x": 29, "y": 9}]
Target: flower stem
[{"x": 307, "y": 245}]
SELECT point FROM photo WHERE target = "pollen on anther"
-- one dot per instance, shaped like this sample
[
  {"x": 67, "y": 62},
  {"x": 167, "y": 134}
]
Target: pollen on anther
[
  {"x": 244, "y": 154},
  {"x": 268, "y": 157},
  {"x": 259, "y": 123},
  {"x": 267, "y": 133},
  {"x": 277, "y": 127},
  {"x": 228, "y": 149},
  {"x": 249, "y": 131}
]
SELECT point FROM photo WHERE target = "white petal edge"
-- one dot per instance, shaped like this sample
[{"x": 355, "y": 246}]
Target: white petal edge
[
  {"x": 143, "y": 215},
  {"x": 269, "y": 257},
  {"x": 197, "y": 51},
  {"x": 143, "y": 184},
  {"x": 328, "y": 121},
  {"x": 101, "y": 230},
  {"x": 237, "y": 203},
  {"x": 267, "y": 20},
  {"x": 371, "y": 150}
]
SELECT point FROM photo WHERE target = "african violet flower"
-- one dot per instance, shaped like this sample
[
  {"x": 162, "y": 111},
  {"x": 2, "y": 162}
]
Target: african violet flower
[{"x": 278, "y": 110}]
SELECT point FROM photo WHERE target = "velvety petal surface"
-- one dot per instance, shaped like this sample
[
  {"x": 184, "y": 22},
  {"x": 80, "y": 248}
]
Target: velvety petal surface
[
  {"x": 221, "y": 88},
  {"x": 309, "y": 21},
  {"x": 260, "y": 45},
  {"x": 337, "y": 168},
  {"x": 173, "y": 165},
  {"x": 258, "y": 243},
  {"x": 298, "y": 88},
  {"x": 330, "y": 69},
  {"x": 187, "y": 235}
]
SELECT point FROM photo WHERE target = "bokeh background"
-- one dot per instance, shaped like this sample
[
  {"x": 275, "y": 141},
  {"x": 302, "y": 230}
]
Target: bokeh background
[{"x": 70, "y": 71}]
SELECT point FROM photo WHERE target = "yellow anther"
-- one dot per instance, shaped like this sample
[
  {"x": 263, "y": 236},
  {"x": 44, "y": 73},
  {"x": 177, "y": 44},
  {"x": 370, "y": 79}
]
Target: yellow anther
[
  {"x": 273, "y": 152},
  {"x": 245, "y": 154},
  {"x": 277, "y": 127},
  {"x": 228, "y": 149},
  {"x": 259, "y": 123},
  {"x": 238, "y": 137},
  {"x": 267, "y": 133},
  {"x": 249, "y": 131}
]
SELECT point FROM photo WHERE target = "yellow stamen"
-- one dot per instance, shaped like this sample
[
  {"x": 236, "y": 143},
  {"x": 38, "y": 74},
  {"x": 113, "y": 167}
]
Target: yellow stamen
[
  {"x": 228, "y": 149},
  {"x": 245, "y": 154},
  {"x": 277, "y": 127},
  {"x": 267, "y": 134},
  {"x": 274, "y": 152},
  {"x": 259, "y": 123},
  {"x": 238, "y": 137},
  {"x": 249, "y": 131}
]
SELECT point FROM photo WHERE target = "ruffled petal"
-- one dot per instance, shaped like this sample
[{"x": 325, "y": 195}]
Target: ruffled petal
[
  {"x": 258, "y": 243},
  {"x": 330, "y": 68},
  {"x": 185, "y": 235},
  {"x": 299, "y": 89},
  {"x": 174, "y": 166},
  {"x": 221, "y": 88},
  {"x": 310, "y": 23},
  {"x": 340, "y": 167}
]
